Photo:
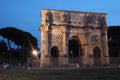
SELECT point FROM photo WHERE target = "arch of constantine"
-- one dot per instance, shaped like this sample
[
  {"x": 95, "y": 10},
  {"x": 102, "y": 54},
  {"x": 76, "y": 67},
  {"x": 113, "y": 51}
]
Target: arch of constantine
[{"x": 69, "y": 37}]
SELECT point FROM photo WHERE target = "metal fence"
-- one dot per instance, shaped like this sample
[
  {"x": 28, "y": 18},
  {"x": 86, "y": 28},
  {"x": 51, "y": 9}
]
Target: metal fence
[
  {"x": 79, "y": 62},
  {"x": 69, "y": 62},
  {"x": 115, "y": 61}
]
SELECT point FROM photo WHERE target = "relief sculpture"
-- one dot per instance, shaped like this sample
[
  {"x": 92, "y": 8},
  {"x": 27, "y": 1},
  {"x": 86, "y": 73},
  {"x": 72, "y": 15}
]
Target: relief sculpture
[
  {"x": 95, "y": 39},
  {"x": 69, "y": 35},
  {"x": 57, "y": 38},
  {"x": 48, "y": 19},
  {"x": 89, "y": 20},
  {"x": 64, "y": 17},
  {"x": 103, "y": 21},
  {"x": 92, "y": 19}
]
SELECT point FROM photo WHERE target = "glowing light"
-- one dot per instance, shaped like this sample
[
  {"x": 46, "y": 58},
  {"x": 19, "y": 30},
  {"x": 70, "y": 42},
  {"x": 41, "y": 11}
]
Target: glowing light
[
  {"x": 35, "y": 52},
  {"x": 77, "y": 65}
]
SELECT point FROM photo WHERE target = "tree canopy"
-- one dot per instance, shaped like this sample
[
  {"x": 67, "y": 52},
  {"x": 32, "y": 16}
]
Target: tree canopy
[
  {"x": 25, "y": 41},
  {"x": 114, "y": 41},
  {"x": 19, "y": 37}
]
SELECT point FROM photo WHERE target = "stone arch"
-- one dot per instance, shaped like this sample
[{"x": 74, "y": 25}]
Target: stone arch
[
  {"x": 80, "y": 38},
  {"x": 54, "y": 55},
  {"x": 55, "y": 36},
  {"x": 75, "y": 50},
  {"x": 97, "y": 55},
  {"x": 54, "y": 51}
]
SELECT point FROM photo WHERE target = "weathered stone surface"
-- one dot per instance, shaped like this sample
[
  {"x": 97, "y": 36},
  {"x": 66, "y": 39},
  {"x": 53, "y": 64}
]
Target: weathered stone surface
[
  {"x": 58, "y": 27},
  {"x": 73, "y": 18}
]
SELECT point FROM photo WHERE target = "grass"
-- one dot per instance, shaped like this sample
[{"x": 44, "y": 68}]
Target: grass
[{"x": 62, "y": 74}]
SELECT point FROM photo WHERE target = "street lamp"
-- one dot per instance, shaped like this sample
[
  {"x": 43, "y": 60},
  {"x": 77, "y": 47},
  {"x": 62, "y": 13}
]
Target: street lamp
[{"x": 35, "y": 52}]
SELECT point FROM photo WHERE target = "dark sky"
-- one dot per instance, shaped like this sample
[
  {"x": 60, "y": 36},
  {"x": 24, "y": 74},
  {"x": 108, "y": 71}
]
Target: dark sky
[{"x": 25, "y": 14}]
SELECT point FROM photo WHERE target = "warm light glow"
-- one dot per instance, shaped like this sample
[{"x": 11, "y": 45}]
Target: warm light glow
[
  {"x": 35, "y": 52},
  {"x": 77, "y": 65}
]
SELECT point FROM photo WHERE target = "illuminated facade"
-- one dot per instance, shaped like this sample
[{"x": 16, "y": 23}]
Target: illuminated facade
[{"x": 69, "y": 37}]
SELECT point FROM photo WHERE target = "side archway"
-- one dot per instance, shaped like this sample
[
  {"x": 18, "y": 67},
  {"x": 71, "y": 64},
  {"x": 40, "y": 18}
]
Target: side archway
[
  {"x": 97, "y": 56},
  {"x": 54, "y": 55},
  {"x": 54, "y": 52}
]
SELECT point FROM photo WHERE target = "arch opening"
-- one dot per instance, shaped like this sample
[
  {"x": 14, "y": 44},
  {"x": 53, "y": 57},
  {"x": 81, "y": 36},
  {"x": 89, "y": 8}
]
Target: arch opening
[
  {"x": 97, "y": 56},
  {"x": 54, "y": 55},
  {"x": 54, "y": 52},
  {"x": 74, "y": 50}
]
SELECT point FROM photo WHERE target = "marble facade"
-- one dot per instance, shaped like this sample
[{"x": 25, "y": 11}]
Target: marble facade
[{"x": 88, "y": 28}]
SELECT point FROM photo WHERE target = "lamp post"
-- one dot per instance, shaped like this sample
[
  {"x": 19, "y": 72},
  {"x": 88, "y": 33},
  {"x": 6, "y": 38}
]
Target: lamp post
[{"x": 35, "y": 53}]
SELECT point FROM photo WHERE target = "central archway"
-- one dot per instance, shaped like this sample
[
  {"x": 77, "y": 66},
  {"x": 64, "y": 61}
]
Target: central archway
[{"x": 74, "y": 50}]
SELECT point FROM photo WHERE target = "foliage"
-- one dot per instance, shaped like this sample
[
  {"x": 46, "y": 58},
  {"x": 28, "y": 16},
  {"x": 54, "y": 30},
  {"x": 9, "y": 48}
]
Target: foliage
[
  {"x": 19, "y": 37},
  {"x": 3, "y": 46},
  {"x": 24, "y": 40},
  {"x": 3, "y": 51},
  {"x": 114, "y": 41}
]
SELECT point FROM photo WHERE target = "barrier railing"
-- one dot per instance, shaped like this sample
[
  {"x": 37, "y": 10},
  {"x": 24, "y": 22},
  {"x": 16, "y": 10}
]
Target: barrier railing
[{"x": 71, "y": 62}]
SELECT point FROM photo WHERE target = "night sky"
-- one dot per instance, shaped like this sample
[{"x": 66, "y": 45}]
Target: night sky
[{"x": 25, "y": 14}]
